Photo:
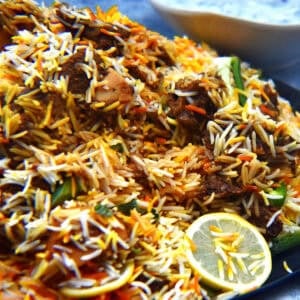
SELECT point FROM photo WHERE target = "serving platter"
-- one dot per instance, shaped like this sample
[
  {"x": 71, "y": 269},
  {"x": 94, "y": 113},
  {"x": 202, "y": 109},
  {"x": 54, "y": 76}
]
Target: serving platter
[
  {"x": 281, "y": 284},
  {"x": 240, "y": 34},
  {"x": 284, "y": 283}
]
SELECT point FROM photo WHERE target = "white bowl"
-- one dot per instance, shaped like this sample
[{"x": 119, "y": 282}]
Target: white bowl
[{"x": 271, "y": 47}]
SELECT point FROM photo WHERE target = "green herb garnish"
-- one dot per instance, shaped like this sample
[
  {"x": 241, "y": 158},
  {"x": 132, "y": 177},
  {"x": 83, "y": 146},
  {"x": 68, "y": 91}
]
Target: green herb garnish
[
  {"x": 238, "y": 79},
  {"x": 285, "y": 241},
  {"x": 126, "y": 208},
  {"x": 62, "y": 192},
  {"x": 280, "y": 193},
  {"x": 136, "y": 251},
  {"x": 103, "y": 210},
  {"x": 155, "y": 214},
  {"x": 69, "y": 189},
  {"x": 118, "y": 147}
]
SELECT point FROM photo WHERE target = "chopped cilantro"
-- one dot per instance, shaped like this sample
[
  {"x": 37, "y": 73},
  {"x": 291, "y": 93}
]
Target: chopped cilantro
[
  {"x": 103, "y": 210},
  {"x": 155, "y": 214},
  {"x": 118, "y": 147},
  {"x": 126, "y": 208},
  {"x": 62, "y": 192}
]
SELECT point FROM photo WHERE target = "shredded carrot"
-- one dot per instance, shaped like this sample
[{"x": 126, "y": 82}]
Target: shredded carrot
[
  {"x": 11, "y": 76},
  {"x": 4, "y": 140},
  {"x": 146, "y": 227},
  {"x": 280, "y": 129},
  {"x": 251, "y": 188},
  {"x": 142, "y": 59},
  {"x": 39, "y": 65},
  {"x": 160, "y": 140},
  {"x": 194, "y": 284},
  {"x": 2, "y": 217},
  {"x": 196, "y": 109},
  {"x": 295, "y": 185},
  {"x": 106, "y": 296},
  {"x": 39, "y": 289},
  {"x": 83, "y": 42},
  {"x": 147, "y": 198},
  {"x": 191, "y": 243},
  {"x": 122, "y": 233},
  {"x": 152, "y": 43},
  {"x": 262, "y": 92},
  {"x": 66, "y": 238},
  {"x": 57, "y": 28},
  {"x": 287, "y": 178},
  {"x": 205, "y": 80},
  {"x": 242, "y": 126},
  {"x": 264, "y": 109},
  {"x": 245, "y": 157},
  {"x": 140, "y": 109},
  {"x": 206, "y": 165},
  {"x": 73, "y": 186},
  {"x": 124, "y": 294}
]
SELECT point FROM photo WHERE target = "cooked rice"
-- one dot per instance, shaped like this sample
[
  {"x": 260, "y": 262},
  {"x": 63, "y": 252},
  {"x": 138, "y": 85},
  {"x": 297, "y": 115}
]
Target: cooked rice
[{"x": 148, "y": 133}]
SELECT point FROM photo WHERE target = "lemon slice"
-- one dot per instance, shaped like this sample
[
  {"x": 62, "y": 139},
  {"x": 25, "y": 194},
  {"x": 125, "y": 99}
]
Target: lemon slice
[
  {"x": 228, "y": 252},
  {"x": 101, "y": 289}
]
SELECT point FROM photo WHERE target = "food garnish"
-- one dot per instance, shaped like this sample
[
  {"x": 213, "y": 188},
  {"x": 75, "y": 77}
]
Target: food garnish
[
  {"x": 228, "y": 252},
  {"x": 285, "y": 241},
  {"x": 238, "y": 80}
]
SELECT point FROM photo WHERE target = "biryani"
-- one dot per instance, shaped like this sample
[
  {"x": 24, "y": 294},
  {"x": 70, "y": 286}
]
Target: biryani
[{"x": 114, "y": 139}]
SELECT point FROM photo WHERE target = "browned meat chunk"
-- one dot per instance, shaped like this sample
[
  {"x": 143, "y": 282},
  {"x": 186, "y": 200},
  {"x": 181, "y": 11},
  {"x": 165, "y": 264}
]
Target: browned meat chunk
[
  {"x": 261, "y": 220},
  {"x": 271, "y": 94},
  {"x": 184, "y": 117},
  {"x": 217, "y": 184},
  {"x": 137, "y": 72},
  {"x": 103, "y": 34},
  {"x": 176, "y": 105},
  {"x": 202, "y": 98},
  {"x": 187, "y": 84},
  {"x": 78, "y": 81},
  {"x": 165, "y": 58},
  {"x": 187, "y": 119},
  {"x": 144, "y": 74},
  {"x": 114, "y": 89},
  {"x": 6, "y": 245}
]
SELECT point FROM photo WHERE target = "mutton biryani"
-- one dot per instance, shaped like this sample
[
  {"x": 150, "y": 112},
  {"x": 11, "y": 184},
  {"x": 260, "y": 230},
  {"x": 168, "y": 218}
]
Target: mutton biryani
[{"x": 116, "y": 142}]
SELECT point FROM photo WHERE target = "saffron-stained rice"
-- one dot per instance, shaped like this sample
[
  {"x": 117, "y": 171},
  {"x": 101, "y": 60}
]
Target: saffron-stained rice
[{"x": 113, "y": 140}]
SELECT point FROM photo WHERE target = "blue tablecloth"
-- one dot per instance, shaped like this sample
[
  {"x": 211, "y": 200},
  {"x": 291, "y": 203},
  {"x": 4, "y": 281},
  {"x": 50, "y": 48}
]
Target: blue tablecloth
[{"x": 141, "y": 11}]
